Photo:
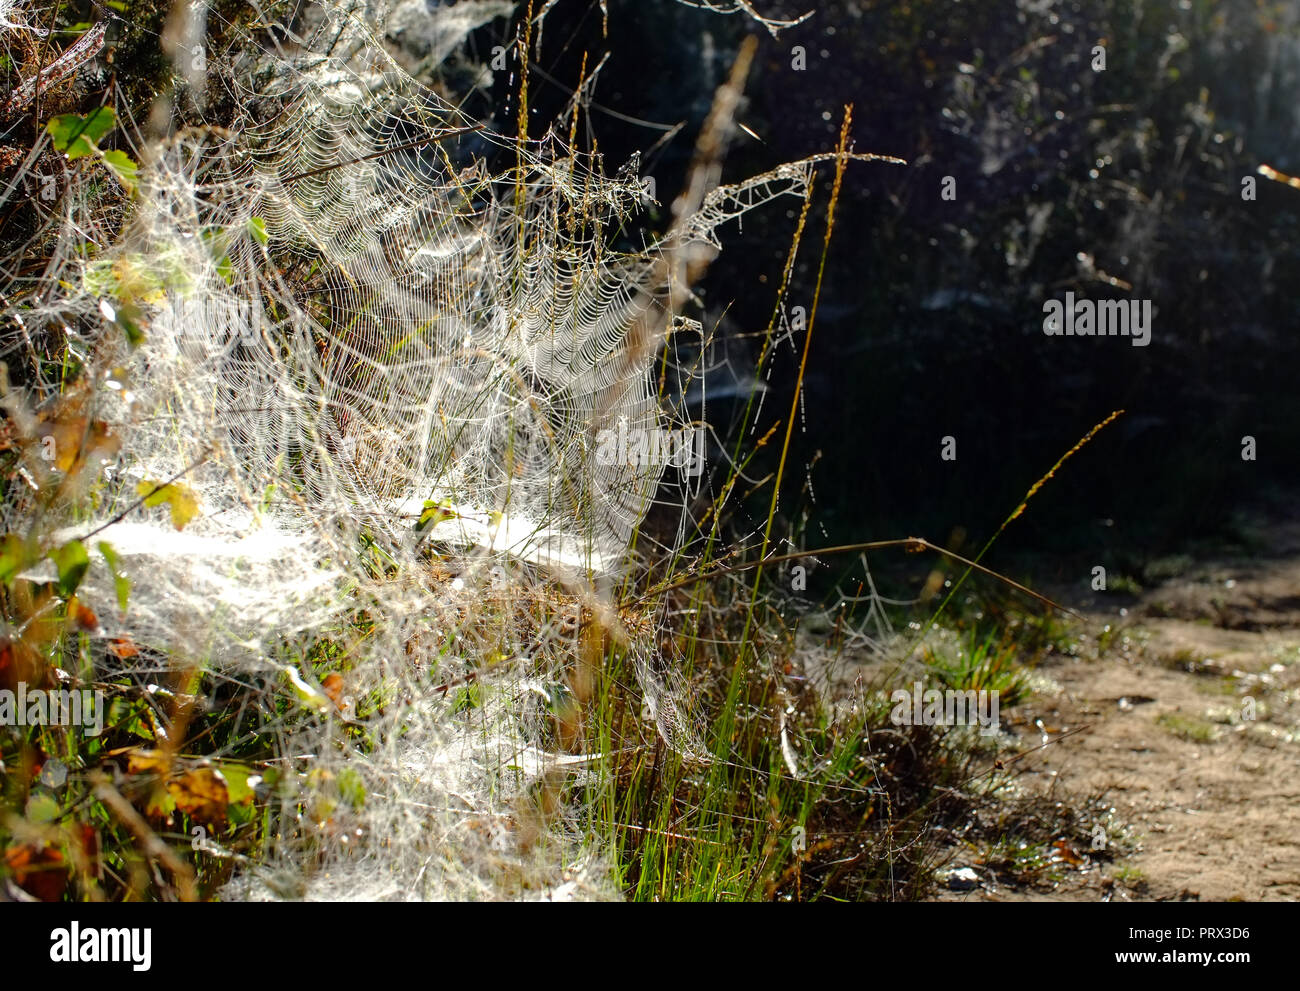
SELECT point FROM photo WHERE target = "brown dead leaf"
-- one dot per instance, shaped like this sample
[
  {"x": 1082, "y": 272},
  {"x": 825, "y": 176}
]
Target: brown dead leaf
[
  {"x": 35, "y": 614},
  {"x": 74, "y": 440},
  {"x": 142, "y": 761},
  {"x": 81, "y": 615},
  {"x": 160, "y": 804},
  {"x": 88, "y": 837},
  {"x": 1064, "y": 850},
  {"x": 40, "y": 870},
  {"x": 201, "y": 793},
  {"x": 332, "y": 685},
  {"x": 123, "y": 647},
  {"x": 18, "y": 662}
]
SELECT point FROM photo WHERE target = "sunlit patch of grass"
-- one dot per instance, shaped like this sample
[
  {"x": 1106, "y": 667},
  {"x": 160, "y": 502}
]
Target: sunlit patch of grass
[
  {"x": 986, "y": 664},
  {"x": 1185, "y": 659},
  {"x": 1188, "y": 728},
  {"x": 1225, "y": 685},
  {"x": 1131, "y": 877},
  {"x": 1123, "y": 585},
  {"x": 1164, "y": 568},
  {"x": 1022, "y": 862}
]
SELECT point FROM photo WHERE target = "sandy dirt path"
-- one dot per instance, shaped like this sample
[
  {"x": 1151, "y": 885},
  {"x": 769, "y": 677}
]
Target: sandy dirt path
[{"x": 1192, "y": 703}]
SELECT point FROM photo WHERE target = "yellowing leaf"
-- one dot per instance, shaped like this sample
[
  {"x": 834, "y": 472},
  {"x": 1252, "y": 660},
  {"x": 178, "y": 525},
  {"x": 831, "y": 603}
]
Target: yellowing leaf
[
  {"x": 82, "y": 615},
  {"x": 180, "y": 497},
  {"x": 307, "y": 693},
  {"x": 16, "y": 553},
  {"x": 147, "y": 762},
  {"x": 201, "y": 793},
  {"x": 135, "y": 281},
  {"x": 239, "y": 790},
  {"x": 435, "y": 513},
  {"x": 160, "y": 804}
]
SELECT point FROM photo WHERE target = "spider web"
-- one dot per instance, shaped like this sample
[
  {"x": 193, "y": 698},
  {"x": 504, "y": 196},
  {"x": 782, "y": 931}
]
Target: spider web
[
  {"x": 372, "y": 322},
  {"x": 415, "y": 328}
]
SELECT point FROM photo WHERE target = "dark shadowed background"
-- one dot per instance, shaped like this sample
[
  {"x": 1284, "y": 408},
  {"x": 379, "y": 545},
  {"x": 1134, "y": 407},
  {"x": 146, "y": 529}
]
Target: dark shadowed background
[{"x": 930, "y": 323}]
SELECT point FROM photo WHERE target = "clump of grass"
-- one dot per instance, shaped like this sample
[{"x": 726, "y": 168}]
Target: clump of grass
[
  {"x": 1184, "y": 659},
  {"x": 1224, "y": 685},
  {"x": 1188, "y": 728},
  {"x": 789, "y": 804},
  {"x": 1165, "y": 568},
  {"x": 1131, "y": 877},
  {"x": 984, "y": 664},
  {"x": 1123, "y": 584}
]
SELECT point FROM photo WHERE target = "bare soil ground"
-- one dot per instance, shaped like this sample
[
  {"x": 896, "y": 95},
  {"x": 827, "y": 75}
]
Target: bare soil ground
[{"x": 1190, "y": 695}]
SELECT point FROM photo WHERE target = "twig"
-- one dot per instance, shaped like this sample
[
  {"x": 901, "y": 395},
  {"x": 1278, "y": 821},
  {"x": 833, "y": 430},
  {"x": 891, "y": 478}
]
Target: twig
[
  {"x": 141, "y": 501},
  {"x": 78, "y": 54},
  {"x": 913, "y": 543},
  {"x": 1033, "y": 490},
  {"x": 153, "y": 846}
]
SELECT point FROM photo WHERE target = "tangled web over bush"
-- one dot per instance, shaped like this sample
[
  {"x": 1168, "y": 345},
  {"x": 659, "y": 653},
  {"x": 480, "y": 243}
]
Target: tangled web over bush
[{"x": 373, "y": 362}]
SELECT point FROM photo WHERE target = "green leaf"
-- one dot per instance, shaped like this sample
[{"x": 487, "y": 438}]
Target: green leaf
[
  {"x": 134, "y": 335},
  {"x": 122, "y": 166},
  {"x": 76, "y": 136},
  {"x": 351, "y": 788},
  {"x": 161, "y": 802},
  {"x": 257, "y": 228},
  {"x": 72, "y": 561},
  {"x": 435, "y": 513},
  {"x": 467, "y": 698},
  {"x": 275, "y": 781},
  {"x": 16, "y": 554},
  {"x": 121, "y": 583},
  {"x": 42, "y": 808},
  {"x": 308, "y": 694},
  {"x": 238, "y": 789},
  {"x": 129, "y": 717},
  {"x": 217, "y": 241}
]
